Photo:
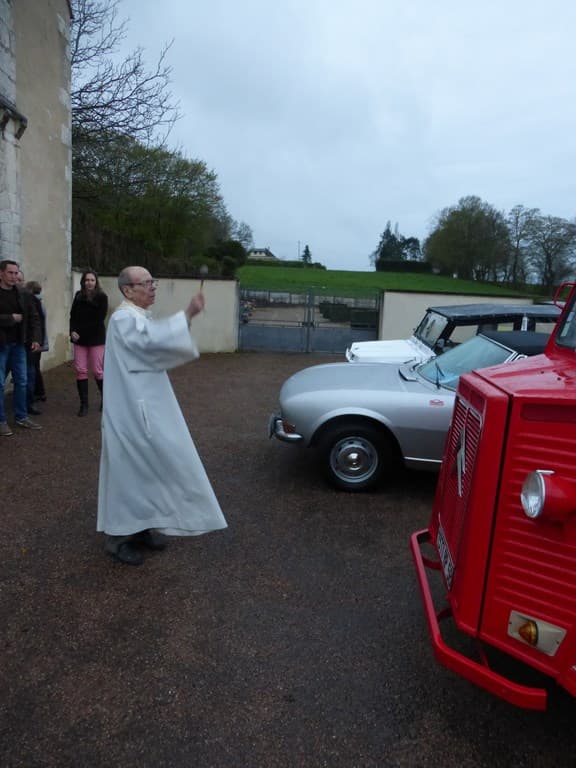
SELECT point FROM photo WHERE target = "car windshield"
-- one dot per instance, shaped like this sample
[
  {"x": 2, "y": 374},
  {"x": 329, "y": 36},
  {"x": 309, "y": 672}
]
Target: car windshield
[
  {"x": 430, "y": 328},
  {"x": 478, "y": 352}
]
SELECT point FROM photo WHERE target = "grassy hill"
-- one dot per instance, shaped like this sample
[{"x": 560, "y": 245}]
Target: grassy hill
[{"x": 345, "y": 283}]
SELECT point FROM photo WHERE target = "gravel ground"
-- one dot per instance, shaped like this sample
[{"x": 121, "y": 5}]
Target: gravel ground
[{"x": 293, "y": 638}]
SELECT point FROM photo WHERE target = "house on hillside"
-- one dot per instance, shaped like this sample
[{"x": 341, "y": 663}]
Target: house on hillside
[
  {"x": 261, "y": 254},
  {"x": 36, "y": 153}
]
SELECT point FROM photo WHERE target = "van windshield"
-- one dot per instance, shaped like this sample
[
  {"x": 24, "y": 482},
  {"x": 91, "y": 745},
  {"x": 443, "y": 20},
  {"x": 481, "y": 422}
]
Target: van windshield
[{"x": 566, "y": 336}]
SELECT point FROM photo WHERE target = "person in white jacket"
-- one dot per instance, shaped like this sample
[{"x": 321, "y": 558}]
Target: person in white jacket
[{"x": 152, "y": 481}]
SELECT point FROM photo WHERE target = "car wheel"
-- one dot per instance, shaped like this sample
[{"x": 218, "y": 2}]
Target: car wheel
[{"x": 355, "y": 455}]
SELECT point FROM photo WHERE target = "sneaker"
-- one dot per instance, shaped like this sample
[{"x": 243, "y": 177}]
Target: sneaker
[
  {"x": 27, "y": 424},
  {"x": 5, "y": 430}
]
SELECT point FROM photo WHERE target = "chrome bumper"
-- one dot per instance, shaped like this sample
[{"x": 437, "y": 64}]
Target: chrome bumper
[{"x": 276, "y": 429}]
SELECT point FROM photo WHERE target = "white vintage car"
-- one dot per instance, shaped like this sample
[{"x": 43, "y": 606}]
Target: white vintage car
[{"x": 443, "y": 327}]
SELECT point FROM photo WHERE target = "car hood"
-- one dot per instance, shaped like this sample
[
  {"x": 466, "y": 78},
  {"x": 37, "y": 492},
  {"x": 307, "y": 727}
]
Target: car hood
[
  {"x": 395, "y": 351},
  {"x": 343, "y": 376}
]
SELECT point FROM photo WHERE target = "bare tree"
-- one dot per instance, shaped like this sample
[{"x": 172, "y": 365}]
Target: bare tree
[
  {"x": 518, "y": 222},
  {"x": 110, "y": 98},
  {"x": 243, "y": 233},
  {"x": 130, "y": 192},
  {"x": 552, "y": 251}
]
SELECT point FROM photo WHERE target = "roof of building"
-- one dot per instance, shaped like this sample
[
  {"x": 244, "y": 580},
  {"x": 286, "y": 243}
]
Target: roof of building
[{"x": 265, "y": 252}]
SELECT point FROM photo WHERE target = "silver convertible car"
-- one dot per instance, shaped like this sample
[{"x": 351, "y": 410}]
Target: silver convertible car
[{"x": 365, "y": 420}]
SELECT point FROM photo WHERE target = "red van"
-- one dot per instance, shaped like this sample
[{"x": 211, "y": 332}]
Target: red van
[{"x": 502, "y": 536}]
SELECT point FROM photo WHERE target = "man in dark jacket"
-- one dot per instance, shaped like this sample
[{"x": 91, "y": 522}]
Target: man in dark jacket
[{"x": 20, "y": 332}]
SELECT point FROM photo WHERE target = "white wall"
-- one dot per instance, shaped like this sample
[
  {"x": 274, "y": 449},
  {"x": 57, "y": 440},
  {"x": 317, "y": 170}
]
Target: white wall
[
  {"x": 402, "y": 311},
  {"x": 215, "y": 330},
  {"x": 44, "y": 186},
  {"x": 10, "y": 190}
]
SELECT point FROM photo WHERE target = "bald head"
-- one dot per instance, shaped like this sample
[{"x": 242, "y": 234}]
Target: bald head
[
  {"x": 138, "y": 286},
  {"x": 126, "y": 277}
]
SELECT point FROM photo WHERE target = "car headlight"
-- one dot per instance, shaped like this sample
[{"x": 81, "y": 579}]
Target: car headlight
[{"x": 548, "y": 496}]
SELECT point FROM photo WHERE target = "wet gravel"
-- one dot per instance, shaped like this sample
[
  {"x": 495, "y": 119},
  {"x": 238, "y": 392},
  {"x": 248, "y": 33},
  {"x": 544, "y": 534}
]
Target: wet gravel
[{"x": 293, "y": 638}]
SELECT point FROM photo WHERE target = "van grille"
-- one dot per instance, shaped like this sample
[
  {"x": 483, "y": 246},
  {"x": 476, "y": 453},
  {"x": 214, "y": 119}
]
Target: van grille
[
  {"x": 458, "y": 467},
  {"x": 534, "y": 562}
]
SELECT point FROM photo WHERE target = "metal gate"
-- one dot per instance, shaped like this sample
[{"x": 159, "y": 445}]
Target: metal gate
[{"x": 278, "y": 321}]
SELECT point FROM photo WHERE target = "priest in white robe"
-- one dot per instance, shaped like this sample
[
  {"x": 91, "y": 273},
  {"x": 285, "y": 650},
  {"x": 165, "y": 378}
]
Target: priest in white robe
[{"x": 152, "y": 480}]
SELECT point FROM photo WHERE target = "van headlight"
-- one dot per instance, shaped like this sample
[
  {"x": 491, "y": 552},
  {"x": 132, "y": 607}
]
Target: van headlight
[
  {"x": 548, "y": 496},
  {"x": 534, "y": 494}
]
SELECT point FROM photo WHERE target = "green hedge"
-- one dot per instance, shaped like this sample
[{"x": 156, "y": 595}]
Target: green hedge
[
  {"x": 423, "y": 267},
  {"x": 363, "y": 318},
  {"x": 337, "y": 313},
  {"x": 297, "y": 264}
]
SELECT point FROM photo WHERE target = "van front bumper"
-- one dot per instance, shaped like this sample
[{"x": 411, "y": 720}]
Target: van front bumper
[{"x": 474, "y": 671}]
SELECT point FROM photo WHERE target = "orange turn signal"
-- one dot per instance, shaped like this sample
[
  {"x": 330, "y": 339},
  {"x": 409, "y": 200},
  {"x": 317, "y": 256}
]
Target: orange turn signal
[{"x": 529, "y": 632}]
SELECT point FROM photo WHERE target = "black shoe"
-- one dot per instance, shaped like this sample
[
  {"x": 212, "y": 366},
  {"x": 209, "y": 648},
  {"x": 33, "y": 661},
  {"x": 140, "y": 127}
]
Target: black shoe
[
  {"x": 41, "y": 398},
  {"x": 83, "y": 409},
  {"x": 34, "y": 411},
  {"x": 151, "y": 540},
  {"x": 127, "y": 554},
  {"x": 27, "y": 424}
]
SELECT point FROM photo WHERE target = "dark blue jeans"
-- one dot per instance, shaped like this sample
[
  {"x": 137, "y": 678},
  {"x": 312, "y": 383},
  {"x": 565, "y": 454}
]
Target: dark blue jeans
[{"x": 13, "y": 359}]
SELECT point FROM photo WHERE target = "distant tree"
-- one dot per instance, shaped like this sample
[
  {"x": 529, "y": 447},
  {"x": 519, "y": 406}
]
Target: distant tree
[
  {"x": 389, "y": 248},
  {"x": 551, "y": 249},
  {"x": 147, "y": 205},
  {"x": 411, "y": 248},
  {"x": 133, "y": 200},
  {"x": 470, "y": 240},
  {"x": 395, "y": 247},
  {"x": 306, "y": 255},
  {"x": 229, "y": 255},
  {"x": 116, "y": 105},
  {"x": 518, "y": 222},
  {"x": 243, "y": 234}
]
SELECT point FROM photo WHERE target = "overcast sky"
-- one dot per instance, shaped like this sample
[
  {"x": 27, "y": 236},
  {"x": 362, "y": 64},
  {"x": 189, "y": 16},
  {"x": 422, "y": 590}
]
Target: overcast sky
[{"x": 324, "y": 119}]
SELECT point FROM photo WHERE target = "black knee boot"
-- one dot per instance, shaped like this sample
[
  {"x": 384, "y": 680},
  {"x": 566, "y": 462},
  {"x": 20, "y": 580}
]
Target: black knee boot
[
  {"x": 82, "y": 385},
  {"x": 99, "y": 384}
]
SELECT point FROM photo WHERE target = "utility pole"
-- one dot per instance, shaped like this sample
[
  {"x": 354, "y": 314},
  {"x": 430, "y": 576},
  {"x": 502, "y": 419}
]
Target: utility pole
[{"x": 298, "y": 250}]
